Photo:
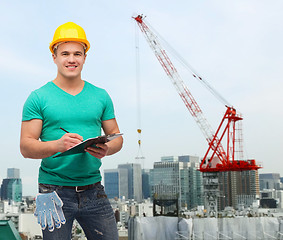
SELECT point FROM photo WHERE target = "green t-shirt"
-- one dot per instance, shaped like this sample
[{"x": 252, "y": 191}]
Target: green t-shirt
[{"x": 81, "y": 114}]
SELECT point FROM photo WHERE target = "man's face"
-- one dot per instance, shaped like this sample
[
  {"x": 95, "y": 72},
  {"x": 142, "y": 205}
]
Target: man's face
[{"x": 69, "y": 58}]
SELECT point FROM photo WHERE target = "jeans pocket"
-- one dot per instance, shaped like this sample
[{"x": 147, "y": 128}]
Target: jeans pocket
[
  {"x": 100, "y": 192},
  {"x": 101, "y": 195},
  {"x": 46, "y": 188}
]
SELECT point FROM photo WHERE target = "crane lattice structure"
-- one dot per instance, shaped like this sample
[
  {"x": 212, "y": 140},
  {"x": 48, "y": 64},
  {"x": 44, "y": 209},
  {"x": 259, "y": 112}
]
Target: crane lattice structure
[{"x": 216, "y": 159}]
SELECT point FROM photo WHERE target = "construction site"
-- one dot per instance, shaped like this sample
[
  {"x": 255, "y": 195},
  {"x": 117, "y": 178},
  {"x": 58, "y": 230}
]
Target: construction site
[{"x": 228, "y": 178}]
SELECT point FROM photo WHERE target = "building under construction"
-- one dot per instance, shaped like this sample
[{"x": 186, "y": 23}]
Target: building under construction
[{"x": 238, "y": 189}]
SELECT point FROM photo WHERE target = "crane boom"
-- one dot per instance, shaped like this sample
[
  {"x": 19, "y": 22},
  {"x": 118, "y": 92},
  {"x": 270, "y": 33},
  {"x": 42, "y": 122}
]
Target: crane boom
[{"x": 214, "y": 142}]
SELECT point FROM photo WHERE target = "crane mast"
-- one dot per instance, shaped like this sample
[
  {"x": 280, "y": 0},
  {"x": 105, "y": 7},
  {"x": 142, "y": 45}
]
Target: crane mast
[{"x": 219, "y": 160}]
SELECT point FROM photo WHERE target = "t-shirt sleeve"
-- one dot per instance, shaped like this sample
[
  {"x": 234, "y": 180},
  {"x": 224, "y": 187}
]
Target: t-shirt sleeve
[
  {"x": 31, "y": 109},
  {"x": 109, "y": 108}
]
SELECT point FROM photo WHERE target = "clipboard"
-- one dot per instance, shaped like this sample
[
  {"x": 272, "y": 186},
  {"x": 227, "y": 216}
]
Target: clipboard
[{"x": 80, "y": 148}]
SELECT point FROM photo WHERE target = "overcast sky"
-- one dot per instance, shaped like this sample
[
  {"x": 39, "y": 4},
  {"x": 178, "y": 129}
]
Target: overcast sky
[{"x": 235, "y": 45}]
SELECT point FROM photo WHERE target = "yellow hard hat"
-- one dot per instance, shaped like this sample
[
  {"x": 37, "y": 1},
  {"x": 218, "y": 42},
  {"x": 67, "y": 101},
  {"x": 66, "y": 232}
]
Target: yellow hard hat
[{"x": 69, "y": 32}]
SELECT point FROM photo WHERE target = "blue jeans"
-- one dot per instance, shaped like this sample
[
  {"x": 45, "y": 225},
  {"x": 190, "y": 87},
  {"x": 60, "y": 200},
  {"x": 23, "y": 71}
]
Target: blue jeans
[{"x": 92, "y": 210}]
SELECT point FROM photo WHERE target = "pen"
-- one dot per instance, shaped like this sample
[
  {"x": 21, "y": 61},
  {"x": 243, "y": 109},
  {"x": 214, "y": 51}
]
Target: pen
[{"x": 64, "y": 130}]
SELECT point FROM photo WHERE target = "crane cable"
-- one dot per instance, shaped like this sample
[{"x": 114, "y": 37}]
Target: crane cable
[
  {"x": 138, "y": 91},
  {"x": 178, "y": 57}
]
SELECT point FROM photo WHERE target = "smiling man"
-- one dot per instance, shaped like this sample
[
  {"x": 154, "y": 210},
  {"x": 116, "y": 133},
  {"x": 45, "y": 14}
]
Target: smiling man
[{"x": 69, "y": 186}]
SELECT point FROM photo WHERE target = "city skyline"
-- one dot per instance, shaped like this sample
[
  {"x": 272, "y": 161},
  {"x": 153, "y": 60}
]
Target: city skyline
[
  {"x": 235, "y": 46},
  {"x": 270, "y": 176}
]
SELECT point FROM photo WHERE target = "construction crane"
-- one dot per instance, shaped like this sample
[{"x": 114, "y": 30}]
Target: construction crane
[{"x": 216, "y": 159}]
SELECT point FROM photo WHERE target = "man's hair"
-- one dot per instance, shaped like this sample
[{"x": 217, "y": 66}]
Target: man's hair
[{"x": 56, "y": 47}]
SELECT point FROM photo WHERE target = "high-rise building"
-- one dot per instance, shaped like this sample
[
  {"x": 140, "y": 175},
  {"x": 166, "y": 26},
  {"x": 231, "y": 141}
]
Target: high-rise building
[
  {"x": 269, "y": 181},
  {"x": 11, "y": 188},
  {"x": 145, "y": 183},
  {"x": 238, "y": 187},
  {"x": 116, "y": 183},
  {"x": 178, "y": 177},
  {"x": 134, "y": 180},
  {"x": 13, "y": 173}
]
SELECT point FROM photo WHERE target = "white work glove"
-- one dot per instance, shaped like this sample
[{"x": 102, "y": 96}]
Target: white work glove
[{"x": 49, "y": 210}]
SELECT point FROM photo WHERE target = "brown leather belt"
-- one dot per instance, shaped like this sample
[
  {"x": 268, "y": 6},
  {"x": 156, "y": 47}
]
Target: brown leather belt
[{"x": 82, "y": 188}]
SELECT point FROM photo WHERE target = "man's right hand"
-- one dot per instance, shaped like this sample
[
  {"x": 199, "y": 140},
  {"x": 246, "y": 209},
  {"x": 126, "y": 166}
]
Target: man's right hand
[
  {"x": 32, "y": 147},
  {"x": 68, "y": 140}
]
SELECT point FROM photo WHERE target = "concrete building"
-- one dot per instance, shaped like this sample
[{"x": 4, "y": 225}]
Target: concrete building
[
  {"x": 178, "y": 177},
  {"x": 116, "y": 183},
  {"x": 22, "y": 217},
  {"x": 270, "y": 196},
  {"x": 269, "y": 181},
  {"x": 134, "y": 180},
  {"x": 144, "y": 209},
  {"x": 279, "y": 197}
]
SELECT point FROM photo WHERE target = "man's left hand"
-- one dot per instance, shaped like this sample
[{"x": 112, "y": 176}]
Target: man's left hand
[{"x": 99, "y": 151}]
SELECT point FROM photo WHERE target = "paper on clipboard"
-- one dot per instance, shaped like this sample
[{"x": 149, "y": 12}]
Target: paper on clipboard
[{"x": 80, "y": 148}]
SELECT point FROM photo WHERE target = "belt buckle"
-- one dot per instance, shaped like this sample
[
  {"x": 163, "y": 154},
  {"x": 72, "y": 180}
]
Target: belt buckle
[{"x": 77, "y": 190}]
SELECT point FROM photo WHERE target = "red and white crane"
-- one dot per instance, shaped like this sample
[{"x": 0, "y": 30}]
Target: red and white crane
[{"x": 216, "y": 159}]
